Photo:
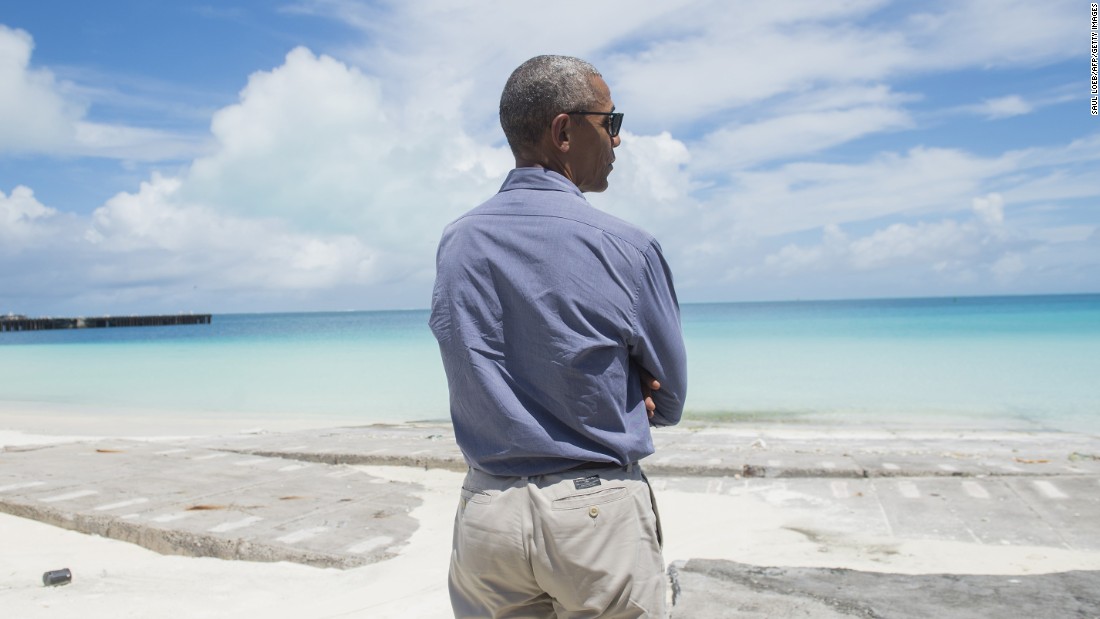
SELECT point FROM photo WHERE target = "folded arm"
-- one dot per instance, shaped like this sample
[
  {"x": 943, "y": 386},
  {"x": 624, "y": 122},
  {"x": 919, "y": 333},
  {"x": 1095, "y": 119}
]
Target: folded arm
[{"x": 658, "y": 346}]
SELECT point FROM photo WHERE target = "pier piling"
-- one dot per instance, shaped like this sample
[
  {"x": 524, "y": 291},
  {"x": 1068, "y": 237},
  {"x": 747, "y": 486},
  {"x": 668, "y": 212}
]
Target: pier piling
[{"x": 23, "y": 323}]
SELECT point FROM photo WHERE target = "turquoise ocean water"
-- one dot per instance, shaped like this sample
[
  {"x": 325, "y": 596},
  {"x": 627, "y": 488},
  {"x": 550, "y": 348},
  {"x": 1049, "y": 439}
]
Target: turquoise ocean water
[{"x": 995, "y": 362}]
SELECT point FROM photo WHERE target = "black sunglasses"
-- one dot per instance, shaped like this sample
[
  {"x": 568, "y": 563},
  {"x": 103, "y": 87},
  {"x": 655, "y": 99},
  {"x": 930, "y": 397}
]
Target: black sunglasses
[{"x": 615, "y": 120}]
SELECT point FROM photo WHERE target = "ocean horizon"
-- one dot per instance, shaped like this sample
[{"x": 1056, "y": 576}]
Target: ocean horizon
[{"x": 1013, "y": 362}]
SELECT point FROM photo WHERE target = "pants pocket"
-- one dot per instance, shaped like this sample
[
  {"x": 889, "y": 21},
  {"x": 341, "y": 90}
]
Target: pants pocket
[
  {"x": 473, "y": 495},
  {"x": 589, "y": 499}
]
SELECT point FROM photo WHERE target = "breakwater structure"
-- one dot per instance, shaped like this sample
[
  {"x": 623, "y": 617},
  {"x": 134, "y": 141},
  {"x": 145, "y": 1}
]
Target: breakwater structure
[{"x": 12, "y": 322}]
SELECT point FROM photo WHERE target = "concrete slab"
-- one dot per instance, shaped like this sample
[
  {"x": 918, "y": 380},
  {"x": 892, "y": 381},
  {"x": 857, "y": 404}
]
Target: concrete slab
[
  {"x": 1070, "y": 504},
  {"x": 698, "y": 449},
  {"x": 938, "y": 508},
  {"x": 202, "y": 502},
  {"x": 711, "y": 589},
  {"x": 800, "y": 464},
  {"x": 851, "y": 505},
  {"x": 292, "y": 497}
]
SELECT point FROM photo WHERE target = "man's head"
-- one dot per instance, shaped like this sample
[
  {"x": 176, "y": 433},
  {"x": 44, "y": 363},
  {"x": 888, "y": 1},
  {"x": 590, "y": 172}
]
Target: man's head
[{"x": 540, "y": 112}]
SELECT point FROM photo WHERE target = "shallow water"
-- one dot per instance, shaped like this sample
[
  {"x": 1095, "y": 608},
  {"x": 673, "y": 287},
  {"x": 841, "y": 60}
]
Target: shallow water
[{"x": 1010, "y": 362}]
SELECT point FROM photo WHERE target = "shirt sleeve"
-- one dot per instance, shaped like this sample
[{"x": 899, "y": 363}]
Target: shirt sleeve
[{"x": 658, "y": 346}]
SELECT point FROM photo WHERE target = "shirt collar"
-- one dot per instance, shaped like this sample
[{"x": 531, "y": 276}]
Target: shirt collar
[{"x": 539, "y": 179}]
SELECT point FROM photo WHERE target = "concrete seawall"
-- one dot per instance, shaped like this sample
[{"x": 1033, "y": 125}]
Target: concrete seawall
[{"x": 306, "y": 497}]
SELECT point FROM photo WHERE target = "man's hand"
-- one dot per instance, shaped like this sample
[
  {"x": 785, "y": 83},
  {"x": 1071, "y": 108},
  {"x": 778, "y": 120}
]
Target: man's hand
[{"x": 649, "y": 385}]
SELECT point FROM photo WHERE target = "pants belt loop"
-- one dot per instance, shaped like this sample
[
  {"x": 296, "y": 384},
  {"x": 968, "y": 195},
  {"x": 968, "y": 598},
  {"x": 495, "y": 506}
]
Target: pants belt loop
[{"x": 630, "y": 468}]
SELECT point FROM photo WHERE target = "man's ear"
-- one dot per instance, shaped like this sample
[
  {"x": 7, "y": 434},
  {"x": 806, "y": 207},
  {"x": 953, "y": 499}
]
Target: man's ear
[{"x": 559, "y": 132}]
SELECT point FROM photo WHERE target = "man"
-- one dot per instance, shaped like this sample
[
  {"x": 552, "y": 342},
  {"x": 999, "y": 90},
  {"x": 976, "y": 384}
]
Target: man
[{"x": 560, "y": 335}]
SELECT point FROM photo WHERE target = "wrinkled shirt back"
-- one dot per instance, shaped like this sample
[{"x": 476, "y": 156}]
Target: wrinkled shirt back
[{"x": 546, "y": 310}]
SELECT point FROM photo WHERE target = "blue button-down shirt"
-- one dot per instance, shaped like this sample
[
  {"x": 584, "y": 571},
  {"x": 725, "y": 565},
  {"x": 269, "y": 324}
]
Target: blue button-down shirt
[{"x": 546, "y": 310}]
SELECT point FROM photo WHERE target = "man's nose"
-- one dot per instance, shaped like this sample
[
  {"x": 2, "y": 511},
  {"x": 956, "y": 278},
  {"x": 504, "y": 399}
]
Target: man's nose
[{"x": 615, "y": 141}]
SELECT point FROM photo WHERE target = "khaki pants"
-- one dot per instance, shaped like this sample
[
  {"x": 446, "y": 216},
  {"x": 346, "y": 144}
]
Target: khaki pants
[{"x": 579, "y": 544}]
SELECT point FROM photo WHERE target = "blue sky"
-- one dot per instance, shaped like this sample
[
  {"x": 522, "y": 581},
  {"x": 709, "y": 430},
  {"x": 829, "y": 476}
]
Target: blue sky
[{"x": 265, "y": 156}]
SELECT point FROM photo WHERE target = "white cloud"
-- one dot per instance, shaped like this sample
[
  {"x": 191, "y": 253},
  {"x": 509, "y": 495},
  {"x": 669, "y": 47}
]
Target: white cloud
[
  {"x": 131, "y": 143},
  {"x": 751, "y": 237},
  {"x": 992, "y": 33},
  {"x": 939, "y": 246},
  {"x": 451, "y": 56},
  {"x": 801, "y": 196},
  {"x": 650, "y": 179},
  {"x": 718, "y": 62},
  {"x": 38, "y": 115},
  {"x": 33, "y": 115},
  {"x": 1004, "y": 107},
  {"x": 1007, "y": 267},
  {"x": 933, "y": 243},
  {"x": 1010, "y": 106},
  {"x": 314, "y": 185},
  {"x": 741, "y": 54},
  {"x": 23, "y": 219},
  {"x": 990, "y": 209},
  {"x": 334, "y": 173},
  {"x": 195, "y": 243},
  {"x": 793, "y": 135},
  {"x": 314, "y": 143},
  {"x": 303, "y": 136},
  {"x": 152, "y": 248}
]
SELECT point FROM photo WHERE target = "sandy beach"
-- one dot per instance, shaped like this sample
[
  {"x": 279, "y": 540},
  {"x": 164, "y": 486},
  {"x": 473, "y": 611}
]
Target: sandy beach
[{"x": 802, "y": 522}]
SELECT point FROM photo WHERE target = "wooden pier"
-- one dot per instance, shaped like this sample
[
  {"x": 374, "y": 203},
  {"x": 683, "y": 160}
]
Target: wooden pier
[{"x": 22, "y": 323}]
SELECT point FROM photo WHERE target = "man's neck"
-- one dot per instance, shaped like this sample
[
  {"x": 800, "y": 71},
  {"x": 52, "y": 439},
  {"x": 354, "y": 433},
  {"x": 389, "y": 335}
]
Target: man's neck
[{"x": 523, "y": 162}]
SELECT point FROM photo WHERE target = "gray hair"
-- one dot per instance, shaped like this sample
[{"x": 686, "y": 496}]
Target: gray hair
[{"x": 540, "y": 89}]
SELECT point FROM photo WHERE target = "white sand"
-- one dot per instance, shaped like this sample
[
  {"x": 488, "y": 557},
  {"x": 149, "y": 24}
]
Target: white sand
[
  {"x": 751, "y": 528},
  {"x": 113, "y": 579},
  {"x": 117, "y": 579}
]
